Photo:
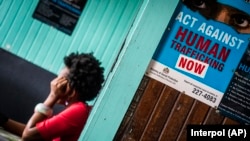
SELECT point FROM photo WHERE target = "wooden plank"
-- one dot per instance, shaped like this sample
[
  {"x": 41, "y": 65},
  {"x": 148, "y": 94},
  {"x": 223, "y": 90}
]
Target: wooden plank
[
  {"x": 177, "y": 118},
  {"x": 228, "y": 121},
  {"x": 213, "y": 117},
  {"x": 143, "y": 111},
  {"x": 143, "y": 84},
  {"x": 197, "y": 115},
  {"x": 129, "y": 114},
  {"x": 161, "y": 122},
  {"x": 160, "y": 114}
]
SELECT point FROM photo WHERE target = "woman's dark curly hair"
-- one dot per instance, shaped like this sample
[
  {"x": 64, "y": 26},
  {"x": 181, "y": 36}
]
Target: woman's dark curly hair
[{"x": 85, "y": 74}]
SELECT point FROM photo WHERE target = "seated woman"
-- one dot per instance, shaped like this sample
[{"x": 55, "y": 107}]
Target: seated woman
[{"x": 80, "y": 81}]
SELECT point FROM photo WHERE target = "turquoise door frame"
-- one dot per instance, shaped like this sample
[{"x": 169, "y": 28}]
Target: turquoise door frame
[{"x": 123, "y": 81}]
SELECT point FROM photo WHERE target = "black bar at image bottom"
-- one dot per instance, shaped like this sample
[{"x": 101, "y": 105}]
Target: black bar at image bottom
[{"x": 218, "y": 132}]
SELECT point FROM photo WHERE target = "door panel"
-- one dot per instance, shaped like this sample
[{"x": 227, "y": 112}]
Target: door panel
[{"x": 159, "y": 112}]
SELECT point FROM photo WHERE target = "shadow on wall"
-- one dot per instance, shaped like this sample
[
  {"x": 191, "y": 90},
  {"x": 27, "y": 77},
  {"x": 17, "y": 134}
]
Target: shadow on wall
[{"x": 22, "y": 86}]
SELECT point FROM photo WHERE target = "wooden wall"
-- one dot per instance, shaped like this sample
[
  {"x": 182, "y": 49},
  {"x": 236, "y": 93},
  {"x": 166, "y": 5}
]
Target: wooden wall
[{"x": 161, "y": 113}]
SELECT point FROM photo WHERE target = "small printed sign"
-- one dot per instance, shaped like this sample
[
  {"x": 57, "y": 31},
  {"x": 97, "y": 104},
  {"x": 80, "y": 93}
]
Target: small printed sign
[{"x": 61, "y": 14}]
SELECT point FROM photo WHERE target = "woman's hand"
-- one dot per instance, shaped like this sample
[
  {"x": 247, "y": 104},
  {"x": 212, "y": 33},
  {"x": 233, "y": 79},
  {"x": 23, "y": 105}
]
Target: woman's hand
[
  {"x": 59, "y": 87},
  {"x": 59, "y": 90}
]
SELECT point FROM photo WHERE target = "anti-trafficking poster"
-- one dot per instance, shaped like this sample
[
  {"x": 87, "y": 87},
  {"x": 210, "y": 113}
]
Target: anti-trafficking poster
[
  {"x": 202, "y": 47},
  {"x": 61, "y": 14}
]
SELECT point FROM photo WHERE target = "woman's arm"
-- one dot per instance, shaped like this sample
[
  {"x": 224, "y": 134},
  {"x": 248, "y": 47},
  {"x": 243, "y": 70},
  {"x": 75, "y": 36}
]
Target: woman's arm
[
  {"x": 57, "y": 91},
  {"x": 30, "y": 132}
]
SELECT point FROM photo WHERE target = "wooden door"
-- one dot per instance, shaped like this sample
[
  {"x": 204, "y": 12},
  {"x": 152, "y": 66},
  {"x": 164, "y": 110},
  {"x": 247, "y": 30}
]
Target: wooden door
[{"x": 161, "y": 113}]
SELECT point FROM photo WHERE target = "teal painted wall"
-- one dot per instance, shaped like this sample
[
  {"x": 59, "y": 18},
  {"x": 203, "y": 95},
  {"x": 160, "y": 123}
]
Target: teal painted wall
[
  {"x": 102, "y": 28},
  {"x": 113, "y": 29},
  {"x": 140, "y": 44}
]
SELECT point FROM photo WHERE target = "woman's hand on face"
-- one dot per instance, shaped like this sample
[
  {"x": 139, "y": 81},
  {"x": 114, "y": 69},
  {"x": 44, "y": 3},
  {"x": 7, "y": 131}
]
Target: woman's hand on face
[{"x": 60, "y": 87}]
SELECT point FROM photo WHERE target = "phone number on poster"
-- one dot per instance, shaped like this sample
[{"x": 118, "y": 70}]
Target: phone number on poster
[{"x": 204, "y": 95}]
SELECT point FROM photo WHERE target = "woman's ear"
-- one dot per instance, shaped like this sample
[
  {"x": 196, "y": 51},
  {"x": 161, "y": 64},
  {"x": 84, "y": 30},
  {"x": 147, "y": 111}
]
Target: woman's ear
[
  {"x": 68, "y": 89},
  {"x": 72, "y": 95}
]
